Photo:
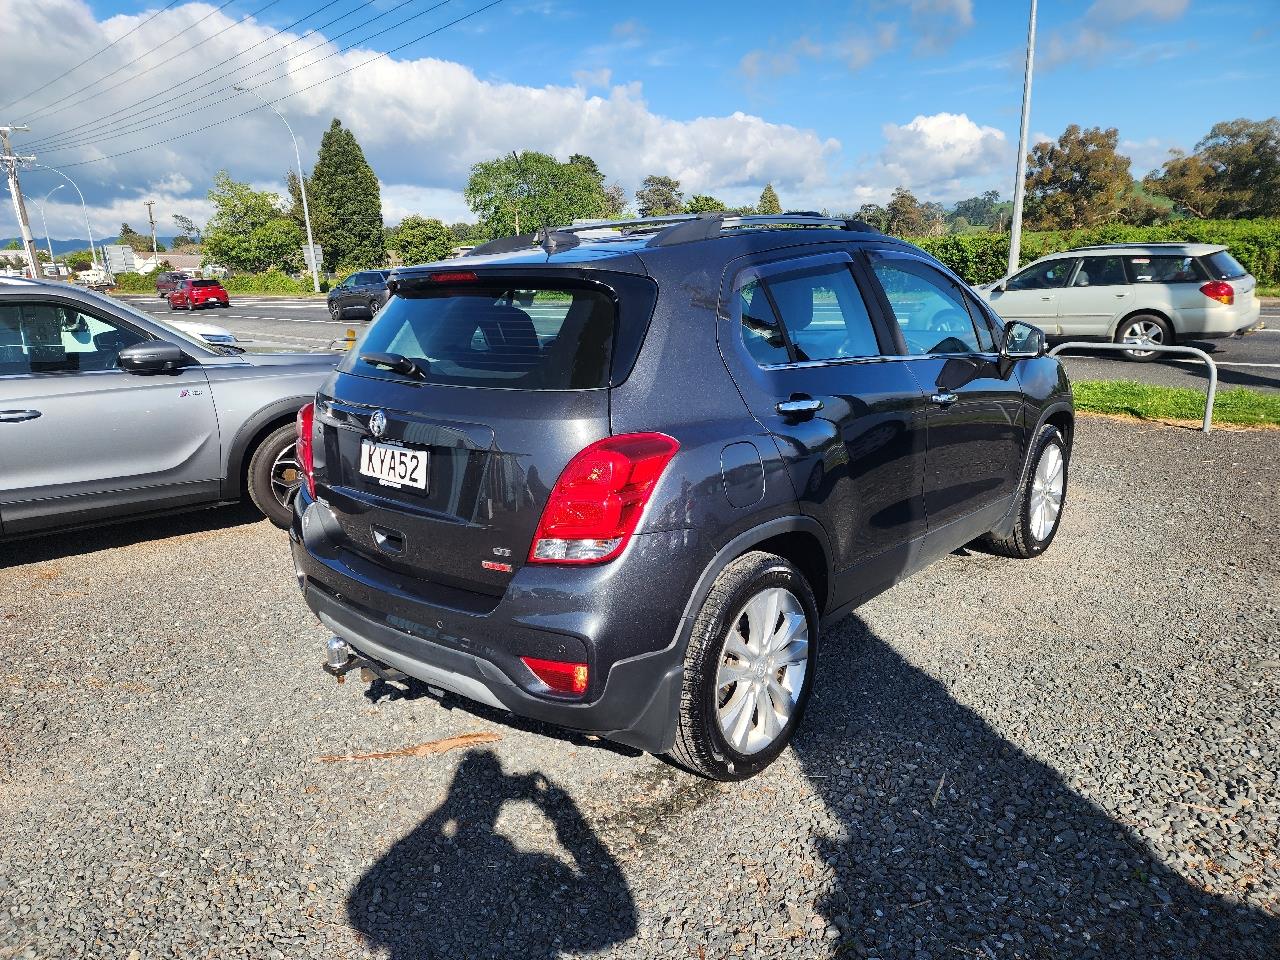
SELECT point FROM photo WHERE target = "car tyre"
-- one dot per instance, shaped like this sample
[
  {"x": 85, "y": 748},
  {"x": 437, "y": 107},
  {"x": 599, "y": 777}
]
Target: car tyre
[
  {"x": 1144, "y": 327},
  {"x": 274, "y": 475},
  {"x": 374, "y": 306},
  {"x": 1040, "y": 501},
  {"x": 335, "y": 312},
  {"x": 739, "y": 660}
]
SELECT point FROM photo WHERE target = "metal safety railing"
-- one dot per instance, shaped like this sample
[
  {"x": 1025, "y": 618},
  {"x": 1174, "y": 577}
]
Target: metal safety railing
[{"x": 1153, "y": 348}]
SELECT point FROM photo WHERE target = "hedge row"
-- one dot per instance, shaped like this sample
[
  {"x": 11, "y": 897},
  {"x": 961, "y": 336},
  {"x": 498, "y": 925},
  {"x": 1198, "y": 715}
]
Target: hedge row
[
  {"x": 983, "y": 257},
  {"x": 273, "y": 281}
]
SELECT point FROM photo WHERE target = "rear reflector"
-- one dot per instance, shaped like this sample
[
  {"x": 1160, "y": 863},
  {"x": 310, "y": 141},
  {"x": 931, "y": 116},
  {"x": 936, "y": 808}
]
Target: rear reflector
[
  {"x": 596, "y": 503},
  {"x": 559, "y": 676},
  {"x": 457, "y": 276},
  {"x": 1219, "y": 290},
  {"x": 306, "y": 455}
]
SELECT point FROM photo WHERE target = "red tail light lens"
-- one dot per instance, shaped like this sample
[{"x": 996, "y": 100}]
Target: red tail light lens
[
  {"x": 306, "y": 455},
  {"x": 560, "y": 677},
  {"x": 455, "y": 276},
  {"x": 1219, "y": 290},
  {"x": 597, "y": 502}
]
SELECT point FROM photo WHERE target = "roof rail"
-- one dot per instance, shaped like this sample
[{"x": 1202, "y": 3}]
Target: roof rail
[
  {"x": 1135, "y": 243},
  {"x": 708, "y": 225}
]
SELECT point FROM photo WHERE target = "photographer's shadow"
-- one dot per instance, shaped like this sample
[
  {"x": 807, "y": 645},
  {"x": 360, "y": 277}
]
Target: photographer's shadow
[
  {"x": 455, "y": 887},
  {"x": 957, "y": 842}
]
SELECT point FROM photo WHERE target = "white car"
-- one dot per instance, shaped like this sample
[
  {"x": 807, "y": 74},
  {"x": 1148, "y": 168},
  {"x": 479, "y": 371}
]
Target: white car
[
  {"x": 1150, "y": 294},
  {"x": 208, "y": 332}
]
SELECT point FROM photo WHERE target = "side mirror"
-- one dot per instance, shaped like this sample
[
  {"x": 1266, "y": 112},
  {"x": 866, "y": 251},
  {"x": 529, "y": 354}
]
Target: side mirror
[
  {"x": 1001, "y": 286},
  {"x": 152, "y": 356},
  {"x": 1022, "y": 340}
]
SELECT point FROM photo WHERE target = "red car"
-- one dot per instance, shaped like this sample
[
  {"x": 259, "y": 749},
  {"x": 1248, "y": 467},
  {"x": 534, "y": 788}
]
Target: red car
[{"x": 190, "y": 294}]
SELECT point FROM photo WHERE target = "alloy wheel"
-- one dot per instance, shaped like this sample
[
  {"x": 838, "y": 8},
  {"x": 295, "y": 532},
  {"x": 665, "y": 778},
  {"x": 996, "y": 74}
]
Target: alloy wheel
[
  {"x": 1143, "y": 333},
  {"x": 1047, "y": 486},
  {"x": 762, "y": 669},
  {"x": 286, "y": 475}
]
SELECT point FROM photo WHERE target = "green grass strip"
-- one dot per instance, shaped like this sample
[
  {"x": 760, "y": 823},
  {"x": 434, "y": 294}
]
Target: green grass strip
[{"x": 1149, "y": 402}]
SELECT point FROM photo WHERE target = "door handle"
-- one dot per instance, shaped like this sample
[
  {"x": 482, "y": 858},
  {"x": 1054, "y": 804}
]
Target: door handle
[
  {"x": 1121, "y": 295},
  {"x": 944, "y": 399},
  {"x": 799, "y": 407},
  {"x": 1047, "y": 299},
  {"x": 17, "y": 416}
]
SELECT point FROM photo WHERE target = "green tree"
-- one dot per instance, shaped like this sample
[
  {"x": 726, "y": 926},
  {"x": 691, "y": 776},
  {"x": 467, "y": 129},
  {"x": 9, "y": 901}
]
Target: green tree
[
  {"x": 79, "y": 260},
  {"x": 188, "y": 232},
  {"x": 1234, "y": 172},
  {"x": 1080, "y": 181},
  {"x": 615, "y": 197},
  {"x": 873, "y": 215},
  {"x": 659, "y": 197},
  {"x": 464, "y": 234},
  {"x": 421, "y": 240},
  {"x": 701, "y": 203},
  {"x": 769, "y": 203},
  {"x": 129, "y": 237},
  {"x": 346, "y": 202},
  {"x": 249, "y": 229},
  {"x": 521, "y": 194},
  {"x": 980, "y": 210},
  {"x": 905, "y": 216}
]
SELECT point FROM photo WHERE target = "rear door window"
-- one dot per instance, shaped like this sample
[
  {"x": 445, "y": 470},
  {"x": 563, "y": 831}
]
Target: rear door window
[
  {"x": 761, "y": 330},
  {"x": 518, "y": 335},
  {"x": 824, "y": 314},
  {"x": 1100, "y": 272},
  {"x": 1148, "y": 268}
]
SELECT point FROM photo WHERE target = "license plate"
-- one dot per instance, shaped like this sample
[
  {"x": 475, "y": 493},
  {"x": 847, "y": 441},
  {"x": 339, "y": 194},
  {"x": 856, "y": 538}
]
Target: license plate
[{"x": 392, "y": 465}]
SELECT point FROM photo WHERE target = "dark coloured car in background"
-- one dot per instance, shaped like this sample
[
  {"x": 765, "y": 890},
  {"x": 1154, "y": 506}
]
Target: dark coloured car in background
[
  {"x": 193, "y": 294},
  {"x": 169, "y": 281},
  {"x": 360, "y": 296},
  {"x": 618, "y": 477}
]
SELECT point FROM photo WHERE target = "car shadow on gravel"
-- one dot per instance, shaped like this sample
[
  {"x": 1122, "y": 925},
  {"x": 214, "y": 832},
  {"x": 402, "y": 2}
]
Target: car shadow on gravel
[
  {"x": 457, "y": 887},
  {"x": 959, "y": 843},
  {"x": 71, "y": 543}
]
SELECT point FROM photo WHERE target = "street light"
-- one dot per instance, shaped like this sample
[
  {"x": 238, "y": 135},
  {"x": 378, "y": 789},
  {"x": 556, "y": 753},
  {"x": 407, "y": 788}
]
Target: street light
[
  {"x": 1020, "y": 184},
  {"x": 302, "y": 185},
  {"x": 93, "y": 251},
  {"x": 45, "y": 223}
]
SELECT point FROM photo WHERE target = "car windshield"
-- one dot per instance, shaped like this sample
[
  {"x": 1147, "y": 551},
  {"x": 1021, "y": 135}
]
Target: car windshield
[{"x": 495, "y": 335}]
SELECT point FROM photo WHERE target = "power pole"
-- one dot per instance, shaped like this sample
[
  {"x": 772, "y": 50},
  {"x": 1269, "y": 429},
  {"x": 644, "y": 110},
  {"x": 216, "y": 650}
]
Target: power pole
[
  {"x": 155, "y": 250},
  {"x": 15, "y": 191},
  {"x": 1020, "y": 184}
]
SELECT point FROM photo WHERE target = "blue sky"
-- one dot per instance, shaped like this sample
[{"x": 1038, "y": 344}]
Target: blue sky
[{"x": 834, "y": 102}]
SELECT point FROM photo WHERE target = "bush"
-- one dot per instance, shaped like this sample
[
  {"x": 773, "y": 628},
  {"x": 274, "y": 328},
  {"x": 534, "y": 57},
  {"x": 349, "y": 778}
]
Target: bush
[
  {"x": 324, "y": 286},
  {"x": 982, "y": 257},
  {"x": 135, "y": 283},
  {"x": 273, "y": 281}
]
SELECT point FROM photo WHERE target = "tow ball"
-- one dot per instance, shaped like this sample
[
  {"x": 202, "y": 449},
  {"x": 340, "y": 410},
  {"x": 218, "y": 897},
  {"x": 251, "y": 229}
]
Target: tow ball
[{"x": 340, "y": 659}]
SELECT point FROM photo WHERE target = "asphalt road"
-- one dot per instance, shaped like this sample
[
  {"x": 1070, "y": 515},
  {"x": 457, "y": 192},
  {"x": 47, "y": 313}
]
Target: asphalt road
[
  {"x": 1076, "y": 756},
  {"x": 284, "y": 323}
]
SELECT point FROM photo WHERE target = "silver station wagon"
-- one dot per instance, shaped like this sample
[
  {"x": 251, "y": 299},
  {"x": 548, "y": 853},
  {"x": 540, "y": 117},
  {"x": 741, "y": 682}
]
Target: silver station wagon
[{"x": 1143, "y": 294}]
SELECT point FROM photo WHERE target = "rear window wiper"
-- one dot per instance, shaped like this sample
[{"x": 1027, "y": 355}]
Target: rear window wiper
[{"x": 397, "y": 363}]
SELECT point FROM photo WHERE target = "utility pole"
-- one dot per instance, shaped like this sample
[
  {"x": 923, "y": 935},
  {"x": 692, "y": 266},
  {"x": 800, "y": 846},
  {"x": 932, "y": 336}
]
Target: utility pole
[
  {"x": 151, "y": 215},
  {"x": 1020, "y": 184},
  {"x": 15, "y": 191}
]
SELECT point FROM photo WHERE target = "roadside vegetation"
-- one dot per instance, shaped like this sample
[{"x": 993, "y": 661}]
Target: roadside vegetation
[{"x": 1149, "y": 402}]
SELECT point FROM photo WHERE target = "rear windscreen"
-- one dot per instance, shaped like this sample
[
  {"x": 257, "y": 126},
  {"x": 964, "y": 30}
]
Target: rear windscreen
[
  {"x": 1223, "y": 266},
  {"x": 204, "y": 283},
  {"x": 492, "y": 334}
]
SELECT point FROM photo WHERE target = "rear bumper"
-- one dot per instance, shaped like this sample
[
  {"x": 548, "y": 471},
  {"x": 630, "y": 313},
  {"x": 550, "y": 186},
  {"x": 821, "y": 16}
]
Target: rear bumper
[
  {"x": 1217, "y": 322},
  {"x": 625, "y": 627}
]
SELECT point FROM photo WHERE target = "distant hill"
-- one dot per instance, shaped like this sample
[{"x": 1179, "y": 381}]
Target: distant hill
[{"x": 67, "y": 246}]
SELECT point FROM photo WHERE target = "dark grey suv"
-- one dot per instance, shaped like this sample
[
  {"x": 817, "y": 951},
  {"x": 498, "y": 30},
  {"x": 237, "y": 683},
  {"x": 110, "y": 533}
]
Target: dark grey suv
[
  {"x": 361, "y": 295},
  {"x": 618, "y": 477}
]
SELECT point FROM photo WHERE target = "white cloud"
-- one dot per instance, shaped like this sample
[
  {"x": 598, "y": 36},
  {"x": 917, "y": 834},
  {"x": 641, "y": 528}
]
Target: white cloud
[
  {"x": 935, "y": 153},
  {"x": 1099, "y": 34},
  {"x": 422, "y": 122}
]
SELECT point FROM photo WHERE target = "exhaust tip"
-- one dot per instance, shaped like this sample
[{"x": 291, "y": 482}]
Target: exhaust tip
[{"x": 336, "y": 653}]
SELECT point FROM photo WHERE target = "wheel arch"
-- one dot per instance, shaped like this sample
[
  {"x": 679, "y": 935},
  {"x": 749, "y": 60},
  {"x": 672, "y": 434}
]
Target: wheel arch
[{"x": 251, "y": 433}]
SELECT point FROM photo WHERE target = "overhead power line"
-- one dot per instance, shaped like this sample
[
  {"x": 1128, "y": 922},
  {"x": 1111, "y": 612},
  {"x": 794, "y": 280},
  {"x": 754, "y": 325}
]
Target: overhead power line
[
  {"x": 191, "y": 106},
  {"x": 92, "y": 56},
  {"x": 203, "y": 127},
  {"x": 45, "y": 113},
  {"x": 149, "y": 102}
]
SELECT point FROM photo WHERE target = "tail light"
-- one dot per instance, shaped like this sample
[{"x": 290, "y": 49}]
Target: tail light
[
  {"x": 595, "y": 505},
  {"x": 306, "y": 455},
  {"x": 1219, "y": 290},
  {"x": 559, "y": 676}
]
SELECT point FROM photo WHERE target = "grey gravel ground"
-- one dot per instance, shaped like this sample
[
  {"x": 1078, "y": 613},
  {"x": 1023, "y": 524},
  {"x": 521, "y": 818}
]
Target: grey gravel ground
[{"x": 1070, "y": 757}]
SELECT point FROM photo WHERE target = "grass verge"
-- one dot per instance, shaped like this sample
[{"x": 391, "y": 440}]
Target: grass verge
[
  {"x": 1125, "y": 398},
  {"x": 1262, "y": 291}
]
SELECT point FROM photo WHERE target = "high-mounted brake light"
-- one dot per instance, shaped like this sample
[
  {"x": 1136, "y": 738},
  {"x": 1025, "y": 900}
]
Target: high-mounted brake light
[
  {"x": 456, "y": 276},
  {"x": 595, "y": 505},
  {"x": 559, "y": 676},
  {"x": 306, "y": 455},
  {"x": 1219, "y": 290}
]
